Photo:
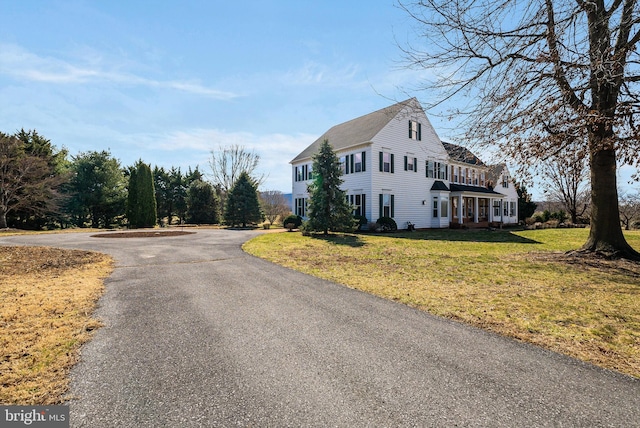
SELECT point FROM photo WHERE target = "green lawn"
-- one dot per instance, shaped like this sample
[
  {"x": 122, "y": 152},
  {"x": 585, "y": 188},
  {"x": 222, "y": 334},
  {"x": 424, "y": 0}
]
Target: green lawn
[{"x": 519, "y": 284}]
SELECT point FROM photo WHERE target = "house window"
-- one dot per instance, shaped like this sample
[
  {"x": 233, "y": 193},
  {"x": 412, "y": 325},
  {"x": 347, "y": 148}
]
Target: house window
[
  {"x": 301, "y": 207},
  {"x": 386, "y": 162},
  {"x": 410, "y": 164},
  {"x": 302, "y": 173},
  {"x": 496, "y": 208},
  {"x": 505, "y": 181},
  {"x": 474, "y": 177},
  {"x": 343, "y": 164},
  {"x": 505, "y": 205},
  {"x": 415, "y": 130},
  {"x": 482, "y": 179},
  {"x": 435, "y": 207},
  {"x": 386, "y": 205},
  {"x": 460, "y": 177},
  {"x": 512, "y": 209},
  {"x": 444, "y": 208},
  {"x": 357, "y": 162},
  {"x": 358, "y": 204}
]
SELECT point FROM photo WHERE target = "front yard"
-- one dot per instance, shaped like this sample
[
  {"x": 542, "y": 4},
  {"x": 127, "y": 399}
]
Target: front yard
[{"x": 518, "y": 284}]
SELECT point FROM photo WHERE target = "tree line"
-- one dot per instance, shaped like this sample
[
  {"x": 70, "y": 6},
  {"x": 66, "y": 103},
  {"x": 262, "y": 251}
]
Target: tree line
[{"x": 43, "y": 187}]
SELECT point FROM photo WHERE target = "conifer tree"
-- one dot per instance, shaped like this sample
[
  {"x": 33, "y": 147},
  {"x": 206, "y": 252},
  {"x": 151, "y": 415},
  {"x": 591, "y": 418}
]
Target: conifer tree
[
  {"x": 141, "y": 201},
  {"x": 242, "y": 206},
  {"x": 328, "y": 206},
  {"x": 202, "y": 203}
]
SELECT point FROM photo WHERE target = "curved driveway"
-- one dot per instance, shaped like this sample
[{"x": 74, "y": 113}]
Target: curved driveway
[{"x": 199, "y": 334}]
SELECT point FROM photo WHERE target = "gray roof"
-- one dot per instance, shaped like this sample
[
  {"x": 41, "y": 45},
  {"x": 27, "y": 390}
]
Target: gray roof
[
  {"x": 472, "y": 189},
  {"x": 493, "y": 176},
  {"x": 439, "y": 185},
  {"x": 357, "y": 131},
  {"x": 461, "y": 154}
]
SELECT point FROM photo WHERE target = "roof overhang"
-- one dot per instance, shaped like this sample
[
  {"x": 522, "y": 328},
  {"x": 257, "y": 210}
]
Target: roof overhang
[{"x": 474, "y": 191}]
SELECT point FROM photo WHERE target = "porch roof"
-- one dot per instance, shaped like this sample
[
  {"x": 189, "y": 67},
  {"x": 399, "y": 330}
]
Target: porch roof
[{"x": 473, "y": 191}]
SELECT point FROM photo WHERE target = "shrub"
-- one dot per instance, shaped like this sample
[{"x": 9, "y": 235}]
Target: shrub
[
  {"x": 296, "y": 220},
  {"x": 360, "y": 221},
  {"x": 387, "y": 224}
]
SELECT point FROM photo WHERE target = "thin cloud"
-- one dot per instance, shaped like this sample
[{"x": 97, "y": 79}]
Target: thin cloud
[
  {"x": 313, "y": 73},
  {"x": 23, "y": 65}
]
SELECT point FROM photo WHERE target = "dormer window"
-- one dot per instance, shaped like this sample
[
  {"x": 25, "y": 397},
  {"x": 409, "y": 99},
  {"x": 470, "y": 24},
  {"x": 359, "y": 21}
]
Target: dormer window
[{"x": 415, "y": 130}]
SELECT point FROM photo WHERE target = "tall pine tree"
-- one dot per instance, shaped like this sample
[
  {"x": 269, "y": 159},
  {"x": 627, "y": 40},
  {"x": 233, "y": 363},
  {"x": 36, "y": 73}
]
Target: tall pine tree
[
  {"x": 328, "y": 206},
  {"x": 242, "y": 206},
  {"x": 141, "y": 201}
]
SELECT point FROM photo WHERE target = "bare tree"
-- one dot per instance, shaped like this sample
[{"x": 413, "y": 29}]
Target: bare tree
[
  {"x": 228, "y": 163},
  {"x": 540, "y": 69},
  {"x": 27, "y": 182},
  {"x": 629, "y": 209},
  {"x": 274, "y": 205},
  {"x": 567, "y": 181}
]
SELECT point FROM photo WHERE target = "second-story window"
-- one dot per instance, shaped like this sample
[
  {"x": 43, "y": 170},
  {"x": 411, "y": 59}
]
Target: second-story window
[
  {"x": 415, "y": 130},
  {"x": 386, "y": 162}
]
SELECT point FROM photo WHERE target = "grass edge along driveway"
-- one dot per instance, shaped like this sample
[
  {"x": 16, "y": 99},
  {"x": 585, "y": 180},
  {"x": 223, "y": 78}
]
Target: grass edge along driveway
[
  {"x": 47, "y": 297},
  {"x": 520, "y": 284}
]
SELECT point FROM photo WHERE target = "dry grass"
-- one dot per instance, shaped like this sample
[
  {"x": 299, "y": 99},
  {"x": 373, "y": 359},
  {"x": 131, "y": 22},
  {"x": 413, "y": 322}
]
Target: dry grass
[
  {"x": 520, "y": 284},
  {"x": 47, "y": 297}
]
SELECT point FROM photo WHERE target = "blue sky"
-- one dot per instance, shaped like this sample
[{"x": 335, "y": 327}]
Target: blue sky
[{"x": 169, "y": 81}]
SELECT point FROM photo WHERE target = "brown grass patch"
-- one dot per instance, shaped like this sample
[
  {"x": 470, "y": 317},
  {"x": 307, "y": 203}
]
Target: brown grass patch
[{"x": 47, "y": 296}]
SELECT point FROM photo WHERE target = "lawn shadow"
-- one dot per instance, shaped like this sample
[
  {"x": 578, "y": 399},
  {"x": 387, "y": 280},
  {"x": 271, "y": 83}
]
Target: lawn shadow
[
  {"x": 340, "y": 239},
  {"x": 464, "y": 235}
]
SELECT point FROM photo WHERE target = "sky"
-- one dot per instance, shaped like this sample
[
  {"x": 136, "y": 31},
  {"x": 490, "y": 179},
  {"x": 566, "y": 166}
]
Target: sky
[{"x": 170, "y": 81}]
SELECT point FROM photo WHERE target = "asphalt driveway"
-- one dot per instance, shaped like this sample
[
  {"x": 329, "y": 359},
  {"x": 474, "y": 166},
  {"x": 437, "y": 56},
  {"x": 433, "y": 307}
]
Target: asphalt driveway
[{"x": 199, "y": 334}]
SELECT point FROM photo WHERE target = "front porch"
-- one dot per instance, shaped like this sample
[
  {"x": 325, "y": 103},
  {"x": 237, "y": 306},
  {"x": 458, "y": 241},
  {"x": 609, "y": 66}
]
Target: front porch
[{"x": 475, "y": 207}]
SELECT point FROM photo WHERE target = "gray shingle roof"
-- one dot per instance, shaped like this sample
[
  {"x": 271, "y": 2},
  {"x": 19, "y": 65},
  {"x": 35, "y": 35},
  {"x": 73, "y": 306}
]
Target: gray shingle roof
[
  {"x": 472, "y": 189},
  {"x": 493, "y": 176},
  {"x": 461, "y": 154},
  {"x": 357, "y": 131}
]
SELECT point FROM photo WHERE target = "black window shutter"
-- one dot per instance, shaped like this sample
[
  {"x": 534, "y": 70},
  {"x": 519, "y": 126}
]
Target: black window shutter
[
  {"x": 363, "y": 205},
  {"x": 419, "y": 131},
  {"x": 381, "y": 211},
  {"x": 410, "y": 129},
  {"x": 405, "y": 163},
  {"x": 392, "y": 206},
  {"x": 392, "y": 163},
  {"x": 364, "y": 163},
  {"x": 380, "y": 161},
  {"x": 415, "y": 164},
  {"x": 351, "y": 160}
]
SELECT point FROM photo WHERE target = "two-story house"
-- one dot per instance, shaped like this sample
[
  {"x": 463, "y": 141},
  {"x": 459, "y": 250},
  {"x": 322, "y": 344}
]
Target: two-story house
[{"x": 395, "y": 165}]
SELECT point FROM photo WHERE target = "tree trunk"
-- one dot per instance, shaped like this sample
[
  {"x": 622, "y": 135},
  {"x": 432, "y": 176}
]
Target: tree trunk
[
  {"x": 605, "y": 234},
  {"x": 3, "y": 219}
]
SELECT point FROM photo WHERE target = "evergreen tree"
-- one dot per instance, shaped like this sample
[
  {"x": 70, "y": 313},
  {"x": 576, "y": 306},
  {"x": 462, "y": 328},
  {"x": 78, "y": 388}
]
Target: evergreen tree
[
  {"x": 526, "y": 207},
  {"x": 96, "y": 191},
  {"x": 202, "y": 203},
  {"x": 242, "y": 206},
  {"x": 328, "y": 206},
  {"x": 141, "y": 203}
]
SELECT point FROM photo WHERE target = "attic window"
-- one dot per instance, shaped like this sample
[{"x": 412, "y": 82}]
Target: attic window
[{"x": 415, "y": 130}]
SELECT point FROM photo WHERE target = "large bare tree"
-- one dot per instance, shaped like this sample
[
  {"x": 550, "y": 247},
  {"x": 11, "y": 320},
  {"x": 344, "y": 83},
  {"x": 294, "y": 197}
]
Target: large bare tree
[
  {"x": 566, "y": 180},
  {"x": 534, "y": 71},
  {"x": 228, "y": 163}
]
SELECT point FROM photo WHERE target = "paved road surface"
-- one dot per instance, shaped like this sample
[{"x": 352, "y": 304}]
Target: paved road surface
[{"x": 199, "y": 334}]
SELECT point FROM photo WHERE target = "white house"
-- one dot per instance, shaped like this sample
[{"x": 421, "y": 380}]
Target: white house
[{"x": 395, "y": 165}]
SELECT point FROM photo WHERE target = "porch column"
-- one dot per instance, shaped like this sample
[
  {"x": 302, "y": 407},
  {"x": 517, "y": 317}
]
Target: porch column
[
  {"x": 475, "y": 210},
  {"x": 460, "y": 211}
]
